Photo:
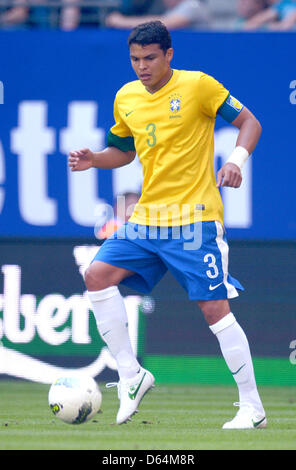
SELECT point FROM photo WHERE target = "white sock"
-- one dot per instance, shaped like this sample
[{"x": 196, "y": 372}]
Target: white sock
[
  {"x": 111, "y": 318},
  {"x": 236, "y": 352}
]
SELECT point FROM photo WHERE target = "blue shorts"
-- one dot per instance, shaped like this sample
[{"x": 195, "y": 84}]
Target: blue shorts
[{"x": 196, "y": 255}]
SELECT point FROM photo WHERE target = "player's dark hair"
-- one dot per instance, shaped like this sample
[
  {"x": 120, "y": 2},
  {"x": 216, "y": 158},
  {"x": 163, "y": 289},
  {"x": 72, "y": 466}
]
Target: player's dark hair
[{"x": 153, "y": 32}]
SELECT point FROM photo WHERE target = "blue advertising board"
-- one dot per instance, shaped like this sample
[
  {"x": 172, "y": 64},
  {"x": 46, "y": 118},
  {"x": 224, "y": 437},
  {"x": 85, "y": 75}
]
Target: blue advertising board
[{"x": 57, "y": 92}]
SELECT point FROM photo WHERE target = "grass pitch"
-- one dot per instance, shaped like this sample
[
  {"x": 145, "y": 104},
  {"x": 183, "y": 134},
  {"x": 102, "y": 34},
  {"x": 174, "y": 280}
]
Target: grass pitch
[{"x": 170, "y": 418}]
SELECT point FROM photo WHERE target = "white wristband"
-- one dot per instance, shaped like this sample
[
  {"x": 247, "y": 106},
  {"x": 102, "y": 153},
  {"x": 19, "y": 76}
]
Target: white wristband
[{"x": 239, "y": 156}]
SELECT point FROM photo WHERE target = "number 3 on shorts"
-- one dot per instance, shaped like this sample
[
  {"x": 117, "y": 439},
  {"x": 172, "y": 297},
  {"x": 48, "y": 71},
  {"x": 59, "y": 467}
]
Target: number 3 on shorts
[{"x": 211, "y": 261}]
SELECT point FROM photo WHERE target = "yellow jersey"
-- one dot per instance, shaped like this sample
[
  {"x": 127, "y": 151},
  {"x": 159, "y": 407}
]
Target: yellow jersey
[{"x": 172, "y": 131}]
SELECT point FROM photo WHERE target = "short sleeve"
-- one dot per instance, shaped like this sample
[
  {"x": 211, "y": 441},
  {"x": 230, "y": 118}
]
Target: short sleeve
[
  {"x": 211, "y": 94},
  {"x": 120, "y": 135}
]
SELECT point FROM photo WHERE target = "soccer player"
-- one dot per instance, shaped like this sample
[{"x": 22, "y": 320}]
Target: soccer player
[{"x": 167, "y": 118}]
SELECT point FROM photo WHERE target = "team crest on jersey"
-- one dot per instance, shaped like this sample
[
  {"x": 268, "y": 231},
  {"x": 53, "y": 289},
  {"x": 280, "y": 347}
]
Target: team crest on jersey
[{"x": 175, "y": 103}]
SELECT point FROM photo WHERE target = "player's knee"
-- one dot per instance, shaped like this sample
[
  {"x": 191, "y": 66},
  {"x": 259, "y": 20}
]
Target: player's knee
[
  {"x": 94, "y": 279},
  {"x": 214, "y": 310},
  {"x": 89, "y": 278}
]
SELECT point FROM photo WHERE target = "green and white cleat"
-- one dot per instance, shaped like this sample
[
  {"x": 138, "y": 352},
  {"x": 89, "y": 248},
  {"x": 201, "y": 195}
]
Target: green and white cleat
[
  {"x": 130, "y": 394},
  {"x": 246, "y": 418}
]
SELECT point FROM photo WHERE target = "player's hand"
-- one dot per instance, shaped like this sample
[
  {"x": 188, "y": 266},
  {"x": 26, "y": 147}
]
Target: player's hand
[
  {"x": 80, "y": 160},
  {"x": 229, "y": 175}
]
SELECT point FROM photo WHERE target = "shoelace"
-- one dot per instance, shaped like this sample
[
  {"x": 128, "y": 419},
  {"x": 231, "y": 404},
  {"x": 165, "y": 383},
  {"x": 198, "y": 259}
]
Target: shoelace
[
  {"x": 114, "y": 384},
  {"x": 243, "y": 408}
]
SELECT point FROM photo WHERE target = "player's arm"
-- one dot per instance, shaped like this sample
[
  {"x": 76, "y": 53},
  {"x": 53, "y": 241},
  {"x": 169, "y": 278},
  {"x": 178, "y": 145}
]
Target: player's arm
[
  {"x": 109, "y": 158},
  {"x": 248, "y": 137},
  {"x": 120, "y": 149},
  {"x": 249, "y": 130}
]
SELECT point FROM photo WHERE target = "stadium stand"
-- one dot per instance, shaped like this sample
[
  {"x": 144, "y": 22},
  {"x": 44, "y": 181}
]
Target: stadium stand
[
  {"x": 224, "y": 15},
  {"x": 47, "y": 13}
]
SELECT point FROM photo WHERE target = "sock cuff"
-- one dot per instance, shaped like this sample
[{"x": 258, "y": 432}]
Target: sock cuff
[
  {"x": 103, "y": 294},
  {"x": 220, "y": 325}
]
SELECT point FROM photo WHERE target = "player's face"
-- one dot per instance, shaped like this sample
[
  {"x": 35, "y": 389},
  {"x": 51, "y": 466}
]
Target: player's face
[{"x": 151, "y": 64}]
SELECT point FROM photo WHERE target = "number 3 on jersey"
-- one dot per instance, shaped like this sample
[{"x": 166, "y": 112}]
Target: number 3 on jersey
[
  {"x": 211, "y": 261},
  {"x": 151, "y": 128}
]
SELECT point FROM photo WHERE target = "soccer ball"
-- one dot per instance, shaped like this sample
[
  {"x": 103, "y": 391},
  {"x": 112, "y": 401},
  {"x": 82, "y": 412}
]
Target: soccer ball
[{"x": 75, "y": 400}]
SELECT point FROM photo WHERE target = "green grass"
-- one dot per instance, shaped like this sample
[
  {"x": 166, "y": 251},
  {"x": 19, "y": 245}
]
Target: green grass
[{"x": 171, "y": 418}]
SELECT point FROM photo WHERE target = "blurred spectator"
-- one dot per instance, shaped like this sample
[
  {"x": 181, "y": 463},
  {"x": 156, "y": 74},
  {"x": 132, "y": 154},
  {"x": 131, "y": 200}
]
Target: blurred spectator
[
  {"x": 279, "y": 16},
  {"x": 43, "y": 15},
  {"x": 16, "y": 15},
  {"x": 70, "y": 17},
  {"x": 31, "y": 14},
  {"x": 178, "y": 14},
  {"x": 73, "y": 16},
  {"x": 141, "y": 7},
  {"x": 246, "y": 9}
]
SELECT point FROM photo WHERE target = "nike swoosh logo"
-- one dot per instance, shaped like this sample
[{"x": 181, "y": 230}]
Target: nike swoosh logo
[
  {"x": 127, "y": 114},
  {"x": 133, "y": 395},
  {"x": 237, "y": 371},
  {"x": 256, "y": 424},
  {"x": 215, "y": 287},
  {"x": 106, "y": 332}
]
